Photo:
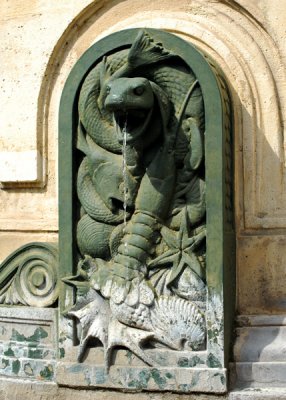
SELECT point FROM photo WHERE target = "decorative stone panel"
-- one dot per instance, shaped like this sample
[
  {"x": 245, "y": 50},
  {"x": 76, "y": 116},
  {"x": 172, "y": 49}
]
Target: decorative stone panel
[
  {"x": 28, "y": 343},
  {"x": 118, "y": 231}
]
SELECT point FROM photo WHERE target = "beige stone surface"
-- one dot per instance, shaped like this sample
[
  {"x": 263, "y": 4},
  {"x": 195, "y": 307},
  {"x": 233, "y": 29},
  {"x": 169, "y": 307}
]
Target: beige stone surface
[
  {"x": 10, "y": 241},
  {"x": 261, "y": 280},
  {"x": 27, "y": 390}
]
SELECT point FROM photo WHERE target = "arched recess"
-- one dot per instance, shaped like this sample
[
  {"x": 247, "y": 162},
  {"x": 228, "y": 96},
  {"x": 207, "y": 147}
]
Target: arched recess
[
  {"x": 220, "y": 258},
  {"x": 237, "y": 41}
]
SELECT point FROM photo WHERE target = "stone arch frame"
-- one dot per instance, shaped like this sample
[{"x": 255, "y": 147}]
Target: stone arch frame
[{"x": 220, "y": 228}]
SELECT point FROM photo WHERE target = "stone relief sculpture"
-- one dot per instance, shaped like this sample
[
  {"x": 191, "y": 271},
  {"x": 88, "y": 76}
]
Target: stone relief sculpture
[
  {"x": 145, "y": 262},
  {"x": 141, "y": 191}
]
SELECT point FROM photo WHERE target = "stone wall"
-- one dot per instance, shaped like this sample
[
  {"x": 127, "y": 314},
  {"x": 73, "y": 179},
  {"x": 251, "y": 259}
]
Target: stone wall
[{"x": 41, "y": 41}]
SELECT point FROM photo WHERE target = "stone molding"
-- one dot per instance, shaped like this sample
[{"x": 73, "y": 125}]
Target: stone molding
[{"x": 260, "y": 352}]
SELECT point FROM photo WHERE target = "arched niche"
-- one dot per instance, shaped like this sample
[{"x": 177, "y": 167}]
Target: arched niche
[{"x": 141, "y": 364}]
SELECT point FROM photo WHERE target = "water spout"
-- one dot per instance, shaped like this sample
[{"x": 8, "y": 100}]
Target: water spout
[{"x": 125, "y": 186}]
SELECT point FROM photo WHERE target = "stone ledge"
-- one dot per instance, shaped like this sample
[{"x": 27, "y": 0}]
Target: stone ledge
[
  {"x": 186, "y": 380},
  {"x": 261, "y": 320},
  {"x": 259, "y": 352},
  {"x": 257, "y": 394},
  {"x": 258, "y": 375},
  {"x": 18, "y": 389}
]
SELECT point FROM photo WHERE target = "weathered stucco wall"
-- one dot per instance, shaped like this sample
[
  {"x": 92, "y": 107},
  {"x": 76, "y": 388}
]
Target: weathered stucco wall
[{"x": 40, "y": 43}]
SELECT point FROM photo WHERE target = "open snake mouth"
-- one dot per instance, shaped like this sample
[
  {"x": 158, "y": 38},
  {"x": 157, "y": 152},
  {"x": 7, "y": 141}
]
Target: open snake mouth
[{"x": 132, "y": 123}]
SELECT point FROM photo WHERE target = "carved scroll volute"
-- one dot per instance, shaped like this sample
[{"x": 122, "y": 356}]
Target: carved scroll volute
[{"x": 29, "y": 276}]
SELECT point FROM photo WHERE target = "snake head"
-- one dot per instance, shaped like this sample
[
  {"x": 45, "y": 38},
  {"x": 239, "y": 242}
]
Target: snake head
[{"x": 131, "y": 101}]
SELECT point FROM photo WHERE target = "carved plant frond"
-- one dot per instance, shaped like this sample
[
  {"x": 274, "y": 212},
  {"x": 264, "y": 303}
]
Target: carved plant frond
[
  {"x": 145, "y": 51},
  {"x": 9, "y": 294}
]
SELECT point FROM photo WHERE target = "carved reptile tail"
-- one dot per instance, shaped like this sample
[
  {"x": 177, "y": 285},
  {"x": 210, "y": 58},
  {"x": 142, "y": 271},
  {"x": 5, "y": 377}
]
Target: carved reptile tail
[{"x": 145, "y": 51}]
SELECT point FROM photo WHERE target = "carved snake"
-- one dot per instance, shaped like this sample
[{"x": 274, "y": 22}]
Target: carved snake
[
  {"x": 152, "y": 95},
  {"x": 169, "y": 84}
]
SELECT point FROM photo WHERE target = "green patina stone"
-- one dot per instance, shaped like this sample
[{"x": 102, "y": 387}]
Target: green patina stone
[
  {"x": 47, "y": 373},
  {"x": 39, "y": 334},
  {"x": 16, "y": 367},
  {"x": 9, "y": 352},
  {"x": 4, "y": 363},
  {"x": 185, "y": 362},
  {"x": 35, "y": 353},
  {"x": 100, "y": 376},
  {"x": 158, "y": 378},
  {"x": 213, "y": 362},
  {"x": 62, "y": 352}
]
